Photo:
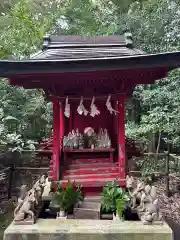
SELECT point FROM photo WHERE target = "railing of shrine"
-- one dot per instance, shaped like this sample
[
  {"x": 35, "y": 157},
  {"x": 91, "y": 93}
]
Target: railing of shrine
[
  {"x": 24, "y": 168},
  {"x": 162, "y": 166},
  {"x": 158, "y": 164},
  {"x": 4, "y": 183}
]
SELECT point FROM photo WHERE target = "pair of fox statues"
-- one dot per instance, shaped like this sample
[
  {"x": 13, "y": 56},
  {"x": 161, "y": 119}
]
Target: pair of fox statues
[{"x": 143, "y": 196}]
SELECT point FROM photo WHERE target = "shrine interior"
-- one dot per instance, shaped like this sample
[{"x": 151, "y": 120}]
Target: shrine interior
[{"x": 105, "y": 132}]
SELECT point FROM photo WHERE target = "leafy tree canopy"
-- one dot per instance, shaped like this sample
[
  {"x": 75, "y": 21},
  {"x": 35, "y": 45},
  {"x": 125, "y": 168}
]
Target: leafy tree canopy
[{"x": 155, "y": 28}]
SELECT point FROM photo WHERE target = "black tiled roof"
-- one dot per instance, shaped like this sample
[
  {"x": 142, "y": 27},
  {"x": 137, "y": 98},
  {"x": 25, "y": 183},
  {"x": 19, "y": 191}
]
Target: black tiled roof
[
  {"x": 81, "y": 54},
  {"x": 78, "y": 47}
]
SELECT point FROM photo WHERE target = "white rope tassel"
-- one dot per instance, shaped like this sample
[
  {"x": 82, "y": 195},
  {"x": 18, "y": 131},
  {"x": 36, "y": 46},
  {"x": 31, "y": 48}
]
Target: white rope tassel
[
  {"x": 109, "y": 106},
  {"x": 94, "y": 110},
  {"x": 81, "y": 109},
  {"x": 67, "y": 109},
  {"x": 85, "y": 111}
]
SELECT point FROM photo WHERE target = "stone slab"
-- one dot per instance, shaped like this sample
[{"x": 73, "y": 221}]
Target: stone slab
[
  {"x": 92, "y": 199},
  {"x": 87, "y": 210},
  {"x": 51, "y": 229}
]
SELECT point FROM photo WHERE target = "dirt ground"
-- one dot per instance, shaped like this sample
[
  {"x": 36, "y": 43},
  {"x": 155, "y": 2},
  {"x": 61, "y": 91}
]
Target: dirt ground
[{"x": 5, "y": 220}]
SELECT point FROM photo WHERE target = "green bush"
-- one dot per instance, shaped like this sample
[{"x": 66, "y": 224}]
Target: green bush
[
  {"x": 68, "y": 197},
  {"x": 112, "y": 197}
]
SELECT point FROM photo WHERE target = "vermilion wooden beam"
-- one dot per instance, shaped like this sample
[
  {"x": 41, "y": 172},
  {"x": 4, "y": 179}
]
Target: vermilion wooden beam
[
  {"x": 61, "y": 119},
  {"x": 121, "y": 139},
  {"x": 56, "y": 140},
  {"x": 117, "y": 127},
  {"x": 71, "y": 120},
  {"x": 61, "y": 125}
]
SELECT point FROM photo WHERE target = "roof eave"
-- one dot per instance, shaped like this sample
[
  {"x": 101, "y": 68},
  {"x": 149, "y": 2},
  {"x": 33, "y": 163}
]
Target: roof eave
[{"x": 22, "y": 67}]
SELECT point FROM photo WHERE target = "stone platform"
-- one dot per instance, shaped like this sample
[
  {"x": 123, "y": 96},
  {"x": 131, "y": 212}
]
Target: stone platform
[{"x": 50, "y": 229}]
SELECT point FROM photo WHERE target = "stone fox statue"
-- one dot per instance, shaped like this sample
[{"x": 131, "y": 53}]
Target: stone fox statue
[
  {"x": 24, "y": 209},
  {"x": 23, "y": 194},
  {"x": 152, "y": 213},
  {"x": 148, "y": 194},
  {"x": 141, "y": 192}
]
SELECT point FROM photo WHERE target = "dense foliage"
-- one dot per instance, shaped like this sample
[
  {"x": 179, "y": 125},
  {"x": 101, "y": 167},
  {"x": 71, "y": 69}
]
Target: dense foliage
[
  {"x": 26, "y": 115},
  {"x": 156, "y": 29}
]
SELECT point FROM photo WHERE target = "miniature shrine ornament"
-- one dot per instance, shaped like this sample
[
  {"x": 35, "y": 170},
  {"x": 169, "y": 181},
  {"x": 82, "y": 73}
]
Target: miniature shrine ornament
[
  {"x": 89, "y": 131},
  {"x": 109, "y": 106},
  {"x": 81, "y": 109},
  {"x": 94, "y": 110}
]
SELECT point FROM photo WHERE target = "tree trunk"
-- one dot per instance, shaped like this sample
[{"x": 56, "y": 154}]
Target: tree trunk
[
  {"x": 152, "y": 143},
  {"x": 159, "y": 142},
  {"x": 157, "y": 149}
]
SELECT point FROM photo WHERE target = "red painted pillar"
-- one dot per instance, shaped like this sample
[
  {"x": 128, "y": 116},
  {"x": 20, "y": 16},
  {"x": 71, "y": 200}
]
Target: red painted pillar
[
  {"x": 121, "y": 139},
  {"x": 61, "y": 124},
  {"x": 71, "y": 120},
  {"x": 117, "y": 121},
  {"x": 56, "y": 140}
]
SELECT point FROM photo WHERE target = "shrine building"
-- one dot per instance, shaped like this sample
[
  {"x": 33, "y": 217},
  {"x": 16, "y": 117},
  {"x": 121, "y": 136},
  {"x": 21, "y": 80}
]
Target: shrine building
[{"x": 88, "y": 80}]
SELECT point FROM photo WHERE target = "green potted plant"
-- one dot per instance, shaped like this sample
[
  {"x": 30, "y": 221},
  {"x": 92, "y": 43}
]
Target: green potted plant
[
  {"x": 113, "y": 199},
  {"x": 121, "y": 203},
  {"x": 73, "y": 194},
  {"x": 66, "y": 198}
]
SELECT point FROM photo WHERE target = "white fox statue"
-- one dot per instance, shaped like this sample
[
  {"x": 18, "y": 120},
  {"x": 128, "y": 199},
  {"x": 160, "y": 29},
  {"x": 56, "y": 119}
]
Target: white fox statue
[{"x": 152, "y": 213}]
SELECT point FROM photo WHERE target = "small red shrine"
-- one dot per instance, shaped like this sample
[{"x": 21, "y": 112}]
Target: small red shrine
[{"x": 78, "y": 74}]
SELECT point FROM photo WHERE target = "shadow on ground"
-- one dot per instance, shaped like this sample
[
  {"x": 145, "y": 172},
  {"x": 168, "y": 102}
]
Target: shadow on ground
[{"x": 175, "y": 227}]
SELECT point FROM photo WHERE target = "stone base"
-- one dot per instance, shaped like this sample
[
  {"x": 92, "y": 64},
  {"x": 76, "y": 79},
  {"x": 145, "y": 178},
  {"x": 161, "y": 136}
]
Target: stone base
[
  {"x": 52, "y": 229},
  {"x": 61, "y": 218},
  {"x": 152, "y": 223},
  {"x": 26, "y": 222}
]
